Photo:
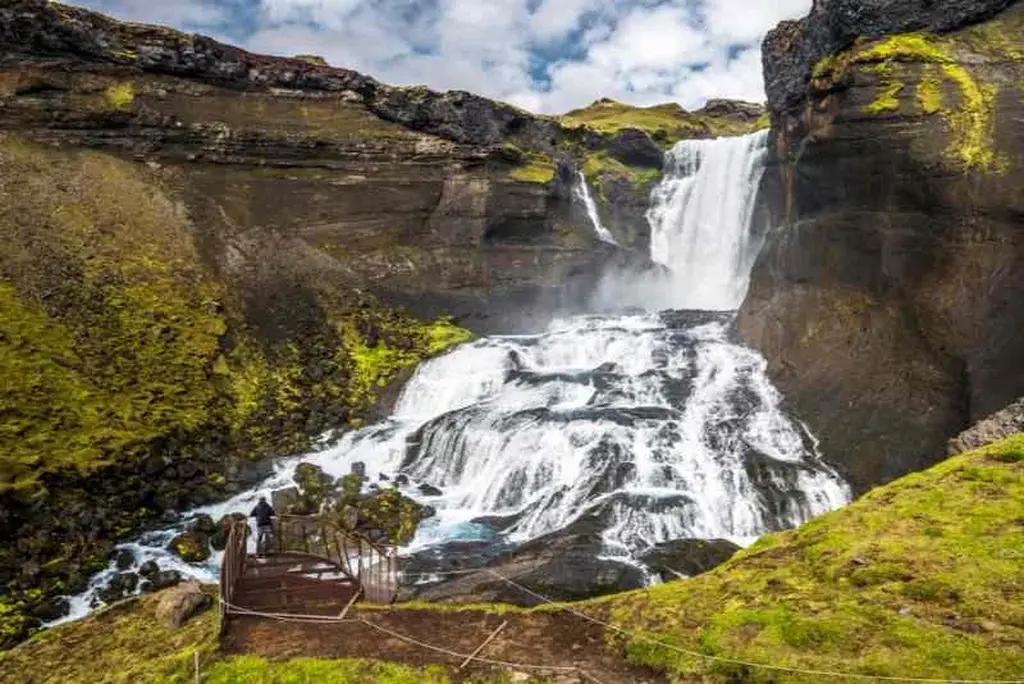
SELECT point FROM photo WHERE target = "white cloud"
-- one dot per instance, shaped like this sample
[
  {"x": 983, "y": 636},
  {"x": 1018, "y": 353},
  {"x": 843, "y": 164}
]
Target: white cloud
[{"x": 544, "y": 55}]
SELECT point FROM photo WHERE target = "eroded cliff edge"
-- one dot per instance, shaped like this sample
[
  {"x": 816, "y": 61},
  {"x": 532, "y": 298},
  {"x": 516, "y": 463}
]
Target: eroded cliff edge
[{"x": 889, "y": 298}]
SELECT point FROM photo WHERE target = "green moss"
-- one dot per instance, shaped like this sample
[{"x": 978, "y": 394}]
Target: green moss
[
  {"x": 599, "y": 165},
  {"x": 124, "y": 644},
  {"x": 118, "y": 346},
  {"x": 241, "y": 670},
  {"x": 929, "y": 93},
  {"x": 973, "y": 120},
  {"x": 666, "y": 124},
  {"x": 888, "y": 101},
  {"x": 870, "y": 589},
  {"x": 539, "y": 168},
  {"x": 120, "y": 96}
]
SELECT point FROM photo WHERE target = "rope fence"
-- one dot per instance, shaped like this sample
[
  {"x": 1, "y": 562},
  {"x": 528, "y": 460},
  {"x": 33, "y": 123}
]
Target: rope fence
[{"x": 475, "y": 657}]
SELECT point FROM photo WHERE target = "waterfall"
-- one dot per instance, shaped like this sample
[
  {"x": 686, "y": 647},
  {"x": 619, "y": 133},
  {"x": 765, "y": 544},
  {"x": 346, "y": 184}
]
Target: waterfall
[
  {"x": 701, "y": 219},
  {"x": 656, "y": 426},
  {"x": 582, "y": 193}
]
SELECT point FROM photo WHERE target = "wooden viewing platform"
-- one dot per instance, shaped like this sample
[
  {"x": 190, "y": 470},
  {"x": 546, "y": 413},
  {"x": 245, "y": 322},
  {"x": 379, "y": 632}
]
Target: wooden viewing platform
[{"x": 315, "y": 568}]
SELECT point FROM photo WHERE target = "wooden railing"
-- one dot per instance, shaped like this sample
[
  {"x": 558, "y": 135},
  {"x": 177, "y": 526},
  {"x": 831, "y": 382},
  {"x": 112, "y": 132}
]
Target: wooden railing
[
  {"x": 232, "y": 567},
  {"x": 373, "y": 566}
]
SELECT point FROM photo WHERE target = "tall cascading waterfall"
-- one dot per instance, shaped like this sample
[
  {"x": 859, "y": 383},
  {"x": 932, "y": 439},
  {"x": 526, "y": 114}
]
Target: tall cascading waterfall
[
  {"x": 657, "y": 426},
  {"x": 701, "y": 217}
]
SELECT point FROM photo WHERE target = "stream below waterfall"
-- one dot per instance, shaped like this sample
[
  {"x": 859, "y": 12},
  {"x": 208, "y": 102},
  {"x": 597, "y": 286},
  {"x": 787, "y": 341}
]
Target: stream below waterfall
[{"x": 656, "y": 423}]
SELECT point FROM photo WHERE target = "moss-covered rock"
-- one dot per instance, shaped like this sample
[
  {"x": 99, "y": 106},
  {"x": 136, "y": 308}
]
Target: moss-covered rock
[{"x": 191, "y": 547}]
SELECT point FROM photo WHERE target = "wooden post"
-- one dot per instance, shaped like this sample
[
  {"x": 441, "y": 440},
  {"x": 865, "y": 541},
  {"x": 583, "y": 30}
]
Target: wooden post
[
  {"x": 482, "y": 646},
  {"x": 195, "y": 655}
]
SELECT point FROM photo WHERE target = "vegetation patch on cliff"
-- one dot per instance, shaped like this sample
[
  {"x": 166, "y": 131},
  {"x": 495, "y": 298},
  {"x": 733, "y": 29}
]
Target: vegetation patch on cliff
[
  {"x": 667, "y": 124},
  {"x": 952, "y": 59},
  {"x": 127, "y": 360},
  {"x": 921, "y": 578}
]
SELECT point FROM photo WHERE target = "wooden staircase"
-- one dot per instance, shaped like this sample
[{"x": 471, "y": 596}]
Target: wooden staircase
[
  {"x": 317, "y": 570},
  {"x": 293, "y": 583}
]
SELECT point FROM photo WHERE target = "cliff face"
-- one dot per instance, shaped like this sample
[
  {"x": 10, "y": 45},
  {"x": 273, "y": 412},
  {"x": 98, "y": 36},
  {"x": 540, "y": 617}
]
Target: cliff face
[{"x": 890, "y": 299}]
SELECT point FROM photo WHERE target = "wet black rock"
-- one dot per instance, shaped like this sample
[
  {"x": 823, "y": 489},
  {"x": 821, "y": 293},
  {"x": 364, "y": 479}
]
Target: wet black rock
[
  {"x": 562, "y": 566},
  {"x": 429, "y": 490},
  {"x": 53, "y": 609},
  {"x": 219, "y": 539},
  {"x": 687, "y": 557},
  {"x": 203, "y": 524},
  {"x": 402, "y": 480},
  {"x": 149, "y": 569},
  {"x": 124, "y": 559},
  {"x": 121, "y": 585},
  {"x": 160, "y": 580}
]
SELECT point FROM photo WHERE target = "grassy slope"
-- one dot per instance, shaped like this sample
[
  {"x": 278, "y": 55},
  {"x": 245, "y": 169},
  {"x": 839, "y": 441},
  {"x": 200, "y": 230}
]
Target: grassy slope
[
  {"x": 127, "y": 645},
  {"x": 923, "y": 578},
  {"x": 666, "y": 123},
  {"x": 920, "y": 578}
]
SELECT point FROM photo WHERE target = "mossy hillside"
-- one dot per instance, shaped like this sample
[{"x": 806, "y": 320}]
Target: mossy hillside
[
  {"x": 132, "y": 376},
  {"x": 667, "y": 124},
  {"x": 920, "y": 578},
  {"x": 125, "y": 644}
]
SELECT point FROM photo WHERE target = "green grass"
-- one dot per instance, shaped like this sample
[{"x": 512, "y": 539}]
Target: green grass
[
  {"x": 250, "y": 670},
  {"x": 667, "y": 124},
  {"x": 920, "y": 578},
  {"x": 124, "y": 644}
]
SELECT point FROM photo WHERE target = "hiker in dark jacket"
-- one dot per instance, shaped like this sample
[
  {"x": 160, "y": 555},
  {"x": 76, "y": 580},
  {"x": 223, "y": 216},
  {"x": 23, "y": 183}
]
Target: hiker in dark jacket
[{"x": 264, "y": 514}]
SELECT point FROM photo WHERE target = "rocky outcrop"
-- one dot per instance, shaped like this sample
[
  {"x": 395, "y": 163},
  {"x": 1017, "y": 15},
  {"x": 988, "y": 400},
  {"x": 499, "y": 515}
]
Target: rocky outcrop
[
  {"x": 889, "y": 300},
  {"x": 563, "y": 566},
  {"x": 1000, "y": 425},
  {"x": 793, "y": 49},
  {"x": 688, "y": 557},
  {"x": 180, "y": 604}
]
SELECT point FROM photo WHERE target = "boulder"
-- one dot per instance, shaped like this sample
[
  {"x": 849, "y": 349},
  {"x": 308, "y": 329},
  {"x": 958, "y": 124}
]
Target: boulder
[
  {"x": 219, "y": 539},
  {"x": 149, "y": 569},
  {"x": 203, "y": 524},
  {"x": 52, "y": 609},
  {"x": 124, "y": 559},
  {"x": 121, "y": 585},
  {"x": 687, "y": 557},
  {"x": 998, "y": 426},
  {"x": 634, "y": 147},
  {"x": 160, "y": 580},
  {"x": 359, "y": 470},
  {"x": 191, "y": 547},
  {"x": 179, "y": 604},
  {"x": 429, "y": 490}
]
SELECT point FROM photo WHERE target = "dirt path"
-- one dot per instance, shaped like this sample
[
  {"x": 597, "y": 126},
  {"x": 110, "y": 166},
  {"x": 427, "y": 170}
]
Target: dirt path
[{"x": 573, "y": 648}]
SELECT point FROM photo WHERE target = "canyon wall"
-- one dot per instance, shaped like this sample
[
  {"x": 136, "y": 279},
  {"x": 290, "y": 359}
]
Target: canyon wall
[{"x": 889, "y": 298}]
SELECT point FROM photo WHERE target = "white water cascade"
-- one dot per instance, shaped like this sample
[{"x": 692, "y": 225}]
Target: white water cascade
[
  {"x": 657, "y": 425},
  {"x": 582, "y": 193},
  {"x": 701, "y": 216}
]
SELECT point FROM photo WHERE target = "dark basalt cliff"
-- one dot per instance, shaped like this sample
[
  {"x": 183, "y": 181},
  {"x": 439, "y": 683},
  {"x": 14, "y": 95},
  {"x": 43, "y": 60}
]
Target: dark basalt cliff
[{"x": 889, "y": 300}]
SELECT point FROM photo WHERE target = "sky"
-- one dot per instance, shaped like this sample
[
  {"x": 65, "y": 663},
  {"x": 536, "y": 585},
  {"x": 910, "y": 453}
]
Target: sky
[{"x": 546, "y": 56}]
